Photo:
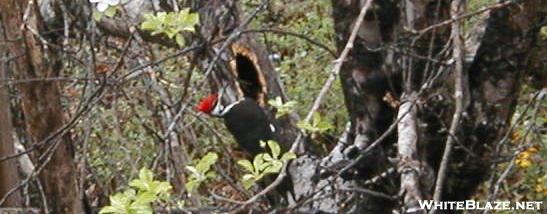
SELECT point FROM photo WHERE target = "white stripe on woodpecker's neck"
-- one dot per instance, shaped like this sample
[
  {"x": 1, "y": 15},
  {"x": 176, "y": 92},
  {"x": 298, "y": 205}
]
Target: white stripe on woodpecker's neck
[
  {"x": 220, "y": 110},
  {"x": 229, "y": 107}
]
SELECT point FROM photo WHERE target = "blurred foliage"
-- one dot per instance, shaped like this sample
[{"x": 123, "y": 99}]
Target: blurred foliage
[
  {"x": 201, "y": 172},
  {"x": 171, "y": 24},
  {"x": 139, "y": 197},
  {"x": 528, "y": 180},
  {"x": 475, "y": 5},
  {"x": 543, "y": 32},
  {"x": 317, "y": 124},
  {"x": 104, "y": 8},
  {"x": 282, "y": 108},
  {"x": 264, "y": 163}
]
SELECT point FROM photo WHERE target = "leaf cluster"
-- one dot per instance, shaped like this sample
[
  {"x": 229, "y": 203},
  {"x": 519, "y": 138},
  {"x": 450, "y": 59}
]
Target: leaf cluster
[
  {"x": 264, "y": 164},
  {"x": 172, "y": 24},
  {"x": 317, "y": 125},
  {"x": 282, "y": 108},
  {"x": 139, "y": 198},
  {"x": 201, "y": 172}
]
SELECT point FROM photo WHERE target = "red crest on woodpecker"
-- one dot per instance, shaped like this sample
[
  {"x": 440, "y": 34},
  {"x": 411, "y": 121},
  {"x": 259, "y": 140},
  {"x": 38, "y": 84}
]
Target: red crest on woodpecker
[{"x": 207, "y": 104}]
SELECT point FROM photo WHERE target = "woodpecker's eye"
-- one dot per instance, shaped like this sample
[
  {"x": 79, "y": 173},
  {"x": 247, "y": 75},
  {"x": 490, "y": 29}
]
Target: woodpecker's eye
[{"x": 207, "y": 104}]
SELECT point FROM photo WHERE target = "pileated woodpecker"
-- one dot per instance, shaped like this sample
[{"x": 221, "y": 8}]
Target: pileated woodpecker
[
  {"x": 245, "y": 120},
  {"x": 249, "y": 125}
]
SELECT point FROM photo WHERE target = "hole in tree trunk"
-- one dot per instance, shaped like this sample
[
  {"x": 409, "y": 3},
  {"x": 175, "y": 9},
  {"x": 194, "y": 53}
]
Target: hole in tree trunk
[{"x": 248, "y": 77}]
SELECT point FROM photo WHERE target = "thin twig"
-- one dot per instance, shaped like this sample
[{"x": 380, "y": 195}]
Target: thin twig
[
  {"x": 494, "y": 187},
  {"x": 538, "y": 95},
  {"x": 289, "y": 33},
  {"x": 369, "y": 192},
  {"x": 458, "y": 54},
  {"x": 454, "y": 19},
  {"x": 376, "y": 142}
]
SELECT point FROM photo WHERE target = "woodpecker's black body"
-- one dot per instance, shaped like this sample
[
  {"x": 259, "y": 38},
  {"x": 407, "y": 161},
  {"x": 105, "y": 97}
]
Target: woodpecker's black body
[{"x": 249, "y": 125}]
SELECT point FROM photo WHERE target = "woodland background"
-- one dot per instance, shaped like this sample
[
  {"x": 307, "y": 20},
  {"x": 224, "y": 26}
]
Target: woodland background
[{"x": 97, "y": 103}]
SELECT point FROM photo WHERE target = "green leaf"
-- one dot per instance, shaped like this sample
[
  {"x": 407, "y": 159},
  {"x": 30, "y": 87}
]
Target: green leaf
[
  {"x": 145, "y": 198},
  {"x": 288, "y": 156},
  {"x": 120, "y": 202},
  {"x": 180, "y": 40},
  {"x": 148, "y": 25},
  {"x": 274, "y": 146},
  {"x": 181, "y": 204},
  {"x": 110, "y": 209},
  {"x": 140, "y": 202},
  {"x": 274, "y": 167},
  {"x": 247, "y": 177},
  {"x": 171, "y": 24},
  {"x": 206, "y": 161},
  {"x": 142, "y": 208},
  {"x": 191, "y": 185},
  {"x": 258, "y": 162},
  {"x": 317, "y": 125},
  {"x": 192, "y": 19},
  {"x": 146, "y": 175},
  {"x": 211, "y": 175},
  {"x": 139, "y": 184},
  {"x": 130, "y": 194},
  {"x": 201, "y": 172},
  {"x": 277, "y": 102},
  {"x": 170, "y": 32},
  {"x": 163, "y": 188},
  {"x": 267, "y": 157},
  {"x": 248, "y": 181},
  {"x": 110, "y": 11},
  {"x": 305, "y": 126},
  {"x": 195, "y": 172},
  {"x": 282, "y": 108},
  {"x": 543, "y": 32},
  {"x": 97, "y": 16},
  {"x": 247, "y": 165},
  {"x": 316, "y": 119},
  {"x": 161, "y": 16}
]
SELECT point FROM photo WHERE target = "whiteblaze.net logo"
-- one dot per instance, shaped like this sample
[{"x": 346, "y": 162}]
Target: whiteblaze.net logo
[{"x": 479, "y": 205}]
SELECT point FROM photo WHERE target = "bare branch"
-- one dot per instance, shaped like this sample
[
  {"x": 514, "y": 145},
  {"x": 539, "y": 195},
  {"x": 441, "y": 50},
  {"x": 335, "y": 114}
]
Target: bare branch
[
  {"x": 409, "y": 164},
  {"x": 457, "y": 7}
]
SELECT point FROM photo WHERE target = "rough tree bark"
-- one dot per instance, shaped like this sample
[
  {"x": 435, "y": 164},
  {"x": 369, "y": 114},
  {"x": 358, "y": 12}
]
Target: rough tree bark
[
  {"x": 42, "y": 102},
  {"x": 9, "y": 176}
]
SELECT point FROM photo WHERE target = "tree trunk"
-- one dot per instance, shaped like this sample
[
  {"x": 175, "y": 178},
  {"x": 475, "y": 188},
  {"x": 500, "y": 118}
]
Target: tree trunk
[
  {"x": 9, "y": 175},
  {"x": 41, "y": 100}
]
